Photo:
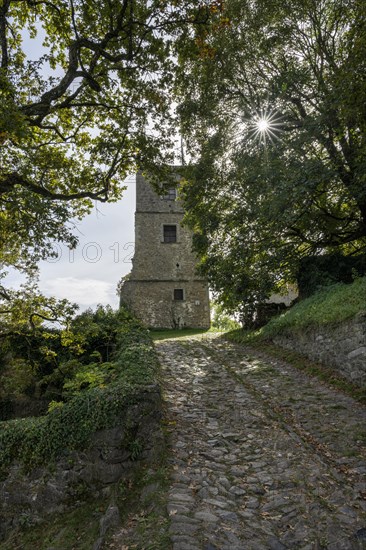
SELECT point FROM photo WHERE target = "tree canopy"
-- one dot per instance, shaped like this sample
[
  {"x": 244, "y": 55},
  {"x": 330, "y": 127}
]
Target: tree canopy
[
  {"x": 93, "y": 107},
  {"x": 90, "y": 105},
  {"x": 273, "y": 107}
]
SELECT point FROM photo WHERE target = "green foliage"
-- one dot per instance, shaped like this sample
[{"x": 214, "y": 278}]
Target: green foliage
[
  {"x": 93, "y": 375},
  {"x": 331, "y": 305},
  {"x": 17, "y": 379},
  {"x": 98, "y": 332},
  {"x": 96, "y": 394},
  {"x": 34, "y": 338},
  {"x": 258, "y": 202},
  {"x": 24, "y": 310},
  {"x": 53, "y": 405},
  {"x": 220, "y": 320},
  {"x": 135, "y": 447},
  {"x": 56, "y": 363},
  {"x": 319, "y": 271},
  {"x": 92, "y": 108}
]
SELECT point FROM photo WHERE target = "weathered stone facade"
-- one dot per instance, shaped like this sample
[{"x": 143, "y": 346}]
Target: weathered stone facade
[
  {"x": 342, "y": 346},
  {"x": 163, "y": 288}
]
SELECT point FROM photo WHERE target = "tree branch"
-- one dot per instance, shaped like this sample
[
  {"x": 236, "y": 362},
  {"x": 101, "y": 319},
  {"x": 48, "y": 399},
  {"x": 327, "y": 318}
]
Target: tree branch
[
  {"x": 331, "y": 240},
  {"x": 44, "y": 317},
  {"x": 3, "y": 40},
  {"x": 45, "y": 2},
  {"x": 4, "y": 294},
  {"x": 11, "y": 180}
]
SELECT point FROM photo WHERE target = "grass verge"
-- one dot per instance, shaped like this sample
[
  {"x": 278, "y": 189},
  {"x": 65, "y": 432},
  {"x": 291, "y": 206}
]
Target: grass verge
[{"x": 330, "y": 306}]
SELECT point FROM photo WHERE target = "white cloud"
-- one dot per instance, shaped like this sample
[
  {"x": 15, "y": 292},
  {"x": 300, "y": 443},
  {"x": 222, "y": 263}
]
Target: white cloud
[
  {"x": 85, "y": 292},
  {"x": 89, "y": 275}
]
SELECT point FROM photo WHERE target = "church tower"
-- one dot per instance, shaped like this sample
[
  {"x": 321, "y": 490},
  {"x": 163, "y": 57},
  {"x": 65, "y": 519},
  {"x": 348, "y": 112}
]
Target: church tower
[{"x": 163, "y": 288}]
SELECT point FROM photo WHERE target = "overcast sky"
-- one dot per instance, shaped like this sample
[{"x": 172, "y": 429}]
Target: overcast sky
[{"x": 89, "y": 274}]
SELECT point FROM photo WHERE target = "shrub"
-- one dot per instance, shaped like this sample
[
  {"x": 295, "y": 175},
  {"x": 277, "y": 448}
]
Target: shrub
[
  {"x": 43, "y": 362},
  {"x": 96, "y": 395},
  {"x": 316, "y": 272}
]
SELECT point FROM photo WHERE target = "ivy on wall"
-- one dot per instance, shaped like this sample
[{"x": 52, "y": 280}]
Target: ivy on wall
[{"x": 93, "y": 405}]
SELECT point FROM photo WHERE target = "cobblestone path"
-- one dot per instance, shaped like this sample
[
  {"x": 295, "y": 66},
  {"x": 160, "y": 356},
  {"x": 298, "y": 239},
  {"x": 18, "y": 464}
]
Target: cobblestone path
[{"x": 264, "y": 457}]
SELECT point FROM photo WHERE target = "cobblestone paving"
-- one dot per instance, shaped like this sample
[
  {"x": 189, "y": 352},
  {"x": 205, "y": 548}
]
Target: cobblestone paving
[{"x": 264, "y": 457}]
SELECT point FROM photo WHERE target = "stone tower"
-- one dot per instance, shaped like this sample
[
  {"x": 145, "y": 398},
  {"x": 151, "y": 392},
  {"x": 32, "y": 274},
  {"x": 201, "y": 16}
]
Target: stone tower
[{"x": 163, "y": 288}]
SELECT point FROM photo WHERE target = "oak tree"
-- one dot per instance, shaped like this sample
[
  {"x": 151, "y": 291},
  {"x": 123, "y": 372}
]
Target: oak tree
[
  {"x": 272, "y": 103},
  {"x": 93, "y": 106},
  {"x": 88, "y": 104}
]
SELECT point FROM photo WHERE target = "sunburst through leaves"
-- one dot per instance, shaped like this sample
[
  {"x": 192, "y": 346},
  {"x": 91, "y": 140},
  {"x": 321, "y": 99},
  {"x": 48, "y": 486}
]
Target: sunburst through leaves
[{"x": 262, "y": 126}]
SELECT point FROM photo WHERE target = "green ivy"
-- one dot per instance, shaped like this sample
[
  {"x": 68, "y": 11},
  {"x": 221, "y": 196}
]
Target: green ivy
[{"x": 110, "y": 387}]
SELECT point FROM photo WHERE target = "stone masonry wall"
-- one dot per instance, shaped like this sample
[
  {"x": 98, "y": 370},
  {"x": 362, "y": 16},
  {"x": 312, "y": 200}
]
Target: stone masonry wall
[
  {"x": 156, "y": 260},
  {"x": 342, "y": 347},
  {"x": 159, "y": 267},
  {"x": 78, "y": 475},
  {"x": 147, "y": 200},
  {"x": 153, "y": 302}
]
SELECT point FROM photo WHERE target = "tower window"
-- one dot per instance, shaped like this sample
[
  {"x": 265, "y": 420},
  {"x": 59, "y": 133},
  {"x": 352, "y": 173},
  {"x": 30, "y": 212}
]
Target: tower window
[
  {"x": 170, "y": 233},
  {"x": 170, "y": 194},
  {"x": 178, "y": 294}
]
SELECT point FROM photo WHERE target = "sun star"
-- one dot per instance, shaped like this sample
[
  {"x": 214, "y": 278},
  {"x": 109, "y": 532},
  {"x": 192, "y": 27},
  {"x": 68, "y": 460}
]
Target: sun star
[{"x": 262, "y": 125}]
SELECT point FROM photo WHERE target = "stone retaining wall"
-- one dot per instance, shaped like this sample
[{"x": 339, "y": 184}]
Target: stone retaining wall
[
  {"x": 111, "y": 457},
  {"x": 342, "y": 347}
]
